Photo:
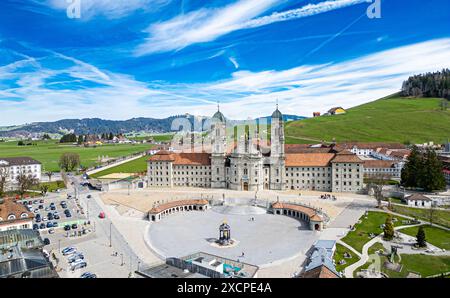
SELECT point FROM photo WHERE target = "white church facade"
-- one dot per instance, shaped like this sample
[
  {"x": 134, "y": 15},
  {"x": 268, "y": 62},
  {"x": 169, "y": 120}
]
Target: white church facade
[{"x": 249, "y": 165}]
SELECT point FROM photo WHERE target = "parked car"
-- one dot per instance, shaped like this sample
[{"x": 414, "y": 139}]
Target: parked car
[
  {"x": 68, "y": 214},
  {"x": 101, "y": 215},
  {"x": 78, "y": 265},
  {"x": 69, "y": 251},
  {"x": 35, "y": 227},
  {"x": 41, "y": 206},
  {"x": 56, "y": 216},
  {"x": 67, "y": 228},
  {"x": 75, "y": 257},
  {"x": 52, "y": 208},
  {"x": 36, "y": 210},
  {"x": 47, "y": 209},
  {"x": 55, "y": 224},
  {"x": 49, "y": 224},
  {"x": 88, "y": 196},
  {"x": 42, "y": 226},
  {"x": 51, "y": 231},
  {"x": 41, "y": 201},
  {"x": 44, "y": 218},
  {"x": 88, "y": 275},
  {"x": 74, "y": 226},
  {"x": 46, "y": 241}
]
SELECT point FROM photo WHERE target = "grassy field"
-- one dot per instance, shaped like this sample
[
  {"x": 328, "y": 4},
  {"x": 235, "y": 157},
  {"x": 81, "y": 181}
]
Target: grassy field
[
  {"x": 48, "y": 152},
  {"x": 440, "y": 217},
  {"x": 434, "y": 236},
  {"x": 385, "y": 120},
  {"x": 371, "y": 224},
  {"x": 157, "y": 138},
  {"x": 135, "y": 166},
  {"x": 339, "y": 255}
]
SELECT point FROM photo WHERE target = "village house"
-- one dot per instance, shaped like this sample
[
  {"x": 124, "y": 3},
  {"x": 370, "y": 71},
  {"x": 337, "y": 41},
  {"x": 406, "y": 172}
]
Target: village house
[
  {"x": 418, "y": 200},
  {"x": 336, "y": 111}
]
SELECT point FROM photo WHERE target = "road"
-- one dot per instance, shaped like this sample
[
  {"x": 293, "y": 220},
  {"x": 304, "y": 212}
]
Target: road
[{"x": 104, "y": 226}]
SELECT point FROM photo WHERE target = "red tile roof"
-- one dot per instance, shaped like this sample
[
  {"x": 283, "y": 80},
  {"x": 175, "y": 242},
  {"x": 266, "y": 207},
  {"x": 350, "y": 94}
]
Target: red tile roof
[
  {"x": 11, "y": 207},
  {"x": 308, "y": 159},
  {"x": 378, "y": 164},
  {"x": 179, "y": 203},
  {"x": 182, "y": 158},
  {"x": 346, "y": 156},
  {"x": 310, "y": 212},
  {"x": 320, "y": 272}
]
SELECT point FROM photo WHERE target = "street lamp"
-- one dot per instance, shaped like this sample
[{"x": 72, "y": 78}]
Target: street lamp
[{"x": 110, "y": 234}]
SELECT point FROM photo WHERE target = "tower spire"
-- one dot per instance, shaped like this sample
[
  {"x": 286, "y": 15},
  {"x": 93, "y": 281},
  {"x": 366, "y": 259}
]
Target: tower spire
[
  {"x": 218, "y": 106},
  {"x": 277, "y": 103}
]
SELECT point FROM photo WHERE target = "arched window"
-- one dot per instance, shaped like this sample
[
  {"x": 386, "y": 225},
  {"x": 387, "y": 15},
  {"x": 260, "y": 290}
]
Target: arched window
[
  {"x": 11, "y": 217},
  {"x": 24, "y": 215}
]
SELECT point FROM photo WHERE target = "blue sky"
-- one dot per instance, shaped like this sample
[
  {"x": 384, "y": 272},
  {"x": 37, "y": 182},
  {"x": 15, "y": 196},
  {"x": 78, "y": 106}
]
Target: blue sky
[{"x": 154, "y": 58}]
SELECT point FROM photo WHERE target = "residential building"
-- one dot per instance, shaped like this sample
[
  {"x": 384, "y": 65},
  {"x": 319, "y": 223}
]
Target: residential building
[
  {"x": 11, "y": 167},
  {"x": 14, "y": 215},
  {"x": 320, "y": 263}
]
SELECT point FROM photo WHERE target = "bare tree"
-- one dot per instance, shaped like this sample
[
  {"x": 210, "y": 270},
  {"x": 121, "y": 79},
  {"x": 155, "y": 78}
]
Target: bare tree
[
  {"x": 49, "y": 174},
  {"x": 4, "y": 173},
  {"x": 69, "y": 161},
  {"x": 376, "y": 183},
  {"x": 25, "y": 181},
  {"x": 431, "y": 213}
]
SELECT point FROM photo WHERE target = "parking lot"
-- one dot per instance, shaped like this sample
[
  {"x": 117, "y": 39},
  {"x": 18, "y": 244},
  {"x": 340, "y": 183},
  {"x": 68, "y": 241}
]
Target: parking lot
[{"x": 54, "y": 212}]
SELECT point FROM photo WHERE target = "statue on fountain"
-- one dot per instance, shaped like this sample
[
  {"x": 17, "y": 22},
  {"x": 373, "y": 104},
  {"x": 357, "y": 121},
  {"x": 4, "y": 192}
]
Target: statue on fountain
[{"x": 225, "y": 234}]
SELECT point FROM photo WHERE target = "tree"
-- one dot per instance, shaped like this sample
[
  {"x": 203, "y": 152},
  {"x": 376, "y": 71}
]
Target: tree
[
  {"x": 25, "y": 181},
  {"x": 420, "y": 237},
  {"x": 430, "y": 174},
  {"x": 411, "y": 168},
  {"x": 69, "y": 138},
  {"x": 69, "y": 161},
  {"x": 49, "y": 175},
  {"x": 80, "y": 139},
  {"x": 111, "y": 136},
  {"x": 44, "y": 189},
  {"x": 388, "y": 228}
]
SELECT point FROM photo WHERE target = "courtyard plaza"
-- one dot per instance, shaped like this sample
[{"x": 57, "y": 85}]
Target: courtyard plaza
[{"x": 283, "y": 259}]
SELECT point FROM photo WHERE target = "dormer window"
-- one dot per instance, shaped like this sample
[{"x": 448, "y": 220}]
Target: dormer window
[
  {"x": 11, "y": 217},
  {"x": 24, "y": 215}
]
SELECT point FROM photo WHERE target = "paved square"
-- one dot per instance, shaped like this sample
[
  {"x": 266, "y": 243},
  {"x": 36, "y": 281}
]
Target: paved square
[{"x": 268, "y": 240}]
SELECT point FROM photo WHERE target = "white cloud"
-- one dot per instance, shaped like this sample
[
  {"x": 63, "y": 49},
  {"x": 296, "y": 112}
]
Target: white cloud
[
  {"x": 112, "y": 9},
  {"x": 208, "y": 24},
  {"x": 201, "y": 25},
  {"x": 300, "y": 90}
]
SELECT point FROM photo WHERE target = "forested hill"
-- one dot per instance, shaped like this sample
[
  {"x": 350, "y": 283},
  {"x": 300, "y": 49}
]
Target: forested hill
[{"x": 436, "y": 84}]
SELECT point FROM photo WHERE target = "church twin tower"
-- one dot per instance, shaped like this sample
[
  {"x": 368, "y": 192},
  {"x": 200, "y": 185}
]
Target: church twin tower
[{"x": 245, "y": 164}]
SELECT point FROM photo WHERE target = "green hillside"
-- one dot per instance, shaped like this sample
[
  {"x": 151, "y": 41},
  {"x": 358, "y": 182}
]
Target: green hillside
[{"x": 392, "y": 119}]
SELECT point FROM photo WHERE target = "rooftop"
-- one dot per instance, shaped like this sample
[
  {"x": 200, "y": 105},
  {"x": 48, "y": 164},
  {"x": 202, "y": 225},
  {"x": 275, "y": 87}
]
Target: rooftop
[{"x": 18, "y": 161}]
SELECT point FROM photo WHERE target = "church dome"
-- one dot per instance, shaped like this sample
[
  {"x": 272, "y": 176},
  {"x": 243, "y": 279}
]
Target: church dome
[
  {"x": 219, "y": 116},
  {"x": 277, "y": 114}
]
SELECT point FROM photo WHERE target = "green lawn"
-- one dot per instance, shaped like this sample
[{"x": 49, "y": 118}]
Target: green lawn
[
  {"x": 339, "y": 255},
  {"x": 135, "y": 166},
  {"x": 48, "y": 152},
  {"x": 371, "y": 224},
  {"x": 425, "y": 265},
  {"x": 441, "y": 217},
  {"x": 52, "y": 186},
  {"x": 435, "y": 236},
  {"x": 385, "y": 120}
]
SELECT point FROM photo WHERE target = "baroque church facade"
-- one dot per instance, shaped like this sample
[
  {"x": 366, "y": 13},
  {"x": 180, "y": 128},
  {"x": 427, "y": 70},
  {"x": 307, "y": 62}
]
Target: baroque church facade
[{"x": 246, "y": 164}]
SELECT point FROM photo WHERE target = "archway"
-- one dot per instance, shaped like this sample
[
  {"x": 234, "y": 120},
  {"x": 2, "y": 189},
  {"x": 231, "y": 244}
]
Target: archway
[{"x": 245, "y": 186}]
